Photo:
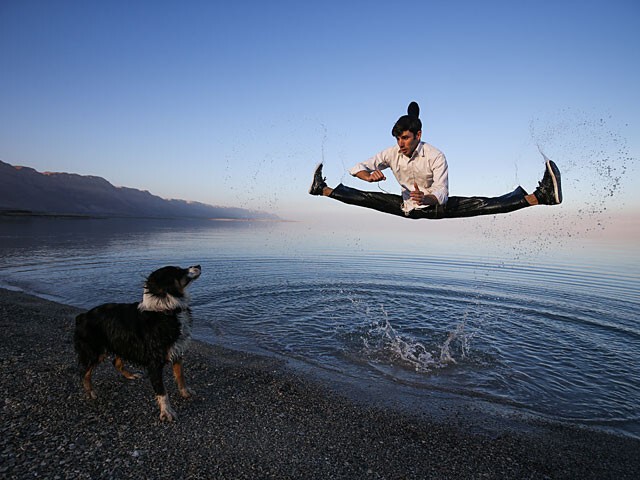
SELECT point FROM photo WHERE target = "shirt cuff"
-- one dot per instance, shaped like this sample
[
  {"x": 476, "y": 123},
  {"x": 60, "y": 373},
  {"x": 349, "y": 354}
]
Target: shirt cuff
[{"x": 359, "y": 168}]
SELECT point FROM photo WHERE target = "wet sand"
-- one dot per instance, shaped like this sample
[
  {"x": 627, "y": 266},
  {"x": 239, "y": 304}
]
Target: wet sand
[{"x": 251, "y": 417}]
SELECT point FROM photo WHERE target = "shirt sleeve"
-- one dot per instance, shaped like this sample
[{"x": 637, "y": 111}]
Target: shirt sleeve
[
  {"x": 440, "y": 186},
  {"x": 377, "y": 162}
]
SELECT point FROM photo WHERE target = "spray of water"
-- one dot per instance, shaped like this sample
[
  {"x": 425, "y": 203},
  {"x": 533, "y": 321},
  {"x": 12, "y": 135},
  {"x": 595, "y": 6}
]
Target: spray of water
[
  {"x": 460, "y": 337},
  {"x": 383, "y": 343},
  {"x": 594, "y": 159},
  {"x": 593, "y": 154}
]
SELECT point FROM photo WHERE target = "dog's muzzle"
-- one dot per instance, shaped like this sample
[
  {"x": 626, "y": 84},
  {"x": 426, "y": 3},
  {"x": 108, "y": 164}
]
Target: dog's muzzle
[{"x": 194, "y": 272}]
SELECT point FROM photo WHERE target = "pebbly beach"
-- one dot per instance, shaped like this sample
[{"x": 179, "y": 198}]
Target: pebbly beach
[{"x": 251, "y": 417}]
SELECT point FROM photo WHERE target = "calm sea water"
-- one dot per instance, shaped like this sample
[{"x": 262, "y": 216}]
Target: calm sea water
[{"x": 552, "y": 333}]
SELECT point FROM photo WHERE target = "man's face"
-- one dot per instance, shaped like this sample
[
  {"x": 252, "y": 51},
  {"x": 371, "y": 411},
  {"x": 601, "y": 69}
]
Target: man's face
[{"x": 408, "y": 142}]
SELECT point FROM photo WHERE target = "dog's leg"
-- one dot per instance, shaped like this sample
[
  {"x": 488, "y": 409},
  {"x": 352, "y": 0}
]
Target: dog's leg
[
  {"x": 119, "y": 364},
  {"x": 178, "y": 374},
  {"x": 86, "y": 382},
  {"x": 155, "y": 375}
]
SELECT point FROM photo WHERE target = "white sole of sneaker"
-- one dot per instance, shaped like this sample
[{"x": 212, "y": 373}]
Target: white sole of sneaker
[{"x": 556, "y": 194}]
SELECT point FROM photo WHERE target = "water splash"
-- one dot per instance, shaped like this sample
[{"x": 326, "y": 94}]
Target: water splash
[
  {"x": 384, "y": 344},
  {"x": 324, "y": 141},
  {"x": 595, "y": 160},
  {"x": 457, "y": 336},
  {"x": 592, "y": 153}
]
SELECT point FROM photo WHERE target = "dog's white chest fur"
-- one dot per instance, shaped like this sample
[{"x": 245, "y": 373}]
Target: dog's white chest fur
[
  {"x": 161, "y": 304},
  {"x": 154, "y": 303}
]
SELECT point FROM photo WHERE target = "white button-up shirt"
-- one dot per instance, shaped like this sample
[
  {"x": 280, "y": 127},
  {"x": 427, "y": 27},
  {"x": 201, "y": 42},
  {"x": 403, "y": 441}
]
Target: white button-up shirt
[{"x": 427, "y": 168}]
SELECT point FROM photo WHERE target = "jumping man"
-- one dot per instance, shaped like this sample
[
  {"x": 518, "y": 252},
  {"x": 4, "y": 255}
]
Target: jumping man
[{"x": 422, "y": 172}]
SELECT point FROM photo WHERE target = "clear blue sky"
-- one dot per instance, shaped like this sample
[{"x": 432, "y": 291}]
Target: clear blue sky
[{"x": 233, "y": 103}]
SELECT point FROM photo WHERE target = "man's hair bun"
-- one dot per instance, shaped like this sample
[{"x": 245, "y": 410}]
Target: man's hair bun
[
  {"x": 410, "y": 122},
  {"x": 414, "y": 109}
]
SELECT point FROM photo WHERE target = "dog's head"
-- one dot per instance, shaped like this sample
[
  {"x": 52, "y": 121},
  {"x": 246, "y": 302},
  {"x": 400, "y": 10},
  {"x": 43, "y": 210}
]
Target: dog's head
[{"x": 165, "y": 289}]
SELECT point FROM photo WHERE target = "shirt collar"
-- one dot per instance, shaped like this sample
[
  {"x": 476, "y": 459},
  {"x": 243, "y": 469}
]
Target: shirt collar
[{"x": 418, "y": 152}]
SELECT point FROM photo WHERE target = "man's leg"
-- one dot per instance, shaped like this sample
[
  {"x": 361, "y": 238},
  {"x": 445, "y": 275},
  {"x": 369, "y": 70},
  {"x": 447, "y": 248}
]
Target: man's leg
[
  {"x": 457, "y": 207},
  {"x": 549, "y": 192},
  {"x": 383, "y": 202}
]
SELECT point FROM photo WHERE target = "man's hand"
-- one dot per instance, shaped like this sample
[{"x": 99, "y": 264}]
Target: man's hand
[
  {"x": 420, "y": 198},
  {"x": 416, "y": 195},
  {"x": 375, "y": 176}
]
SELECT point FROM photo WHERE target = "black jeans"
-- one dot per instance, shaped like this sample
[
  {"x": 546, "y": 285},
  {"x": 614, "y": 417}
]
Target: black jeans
[{"x": 455, "y": 207}]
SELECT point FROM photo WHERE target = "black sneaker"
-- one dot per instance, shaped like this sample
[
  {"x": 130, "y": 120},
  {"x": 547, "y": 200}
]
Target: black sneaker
[
  {"x": 549, "y": 191},
  {"x": 318, "y": 182}
]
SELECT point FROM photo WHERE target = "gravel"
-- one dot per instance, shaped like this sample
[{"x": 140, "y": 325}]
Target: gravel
[{"x": 251, "y": 417}]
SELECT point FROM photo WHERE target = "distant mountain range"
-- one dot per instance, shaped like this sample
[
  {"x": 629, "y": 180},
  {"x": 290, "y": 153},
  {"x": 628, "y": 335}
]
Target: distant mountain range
[{"x": 24, "y": 190}]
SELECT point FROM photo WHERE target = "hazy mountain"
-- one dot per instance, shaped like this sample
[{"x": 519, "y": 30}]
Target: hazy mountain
[{"x": 23, "y": 188}]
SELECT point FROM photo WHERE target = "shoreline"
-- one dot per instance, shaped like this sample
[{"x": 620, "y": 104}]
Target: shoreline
[
  {"x": 251, "y": 417},
  {"x": 97, "y": 216}
]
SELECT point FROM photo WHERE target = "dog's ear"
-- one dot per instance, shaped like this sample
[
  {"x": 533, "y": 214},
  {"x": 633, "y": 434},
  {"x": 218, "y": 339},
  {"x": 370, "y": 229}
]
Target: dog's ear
[
  {"x": 154, "y": 287},
  {"x": 177, "y": 289}
]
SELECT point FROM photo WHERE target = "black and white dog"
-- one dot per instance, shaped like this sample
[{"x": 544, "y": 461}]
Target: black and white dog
[{"x": 148, "y": 333}]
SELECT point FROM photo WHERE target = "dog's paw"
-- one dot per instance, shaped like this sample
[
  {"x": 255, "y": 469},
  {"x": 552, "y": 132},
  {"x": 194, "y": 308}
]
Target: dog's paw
[
  {"x": 168, "y": 415},
  {"x": 187, "y": 392},
  {"x": 166, "y": 412},
  {"x": 91, "y": 395}
]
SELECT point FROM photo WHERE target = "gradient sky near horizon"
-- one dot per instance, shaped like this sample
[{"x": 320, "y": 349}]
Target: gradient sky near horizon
[{"x": 235, "y": 103}]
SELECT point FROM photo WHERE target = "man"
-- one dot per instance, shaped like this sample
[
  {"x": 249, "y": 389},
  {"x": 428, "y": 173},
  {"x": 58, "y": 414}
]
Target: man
[{"x": 422, "y": 172}]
